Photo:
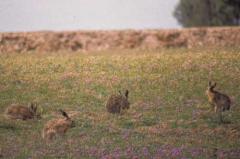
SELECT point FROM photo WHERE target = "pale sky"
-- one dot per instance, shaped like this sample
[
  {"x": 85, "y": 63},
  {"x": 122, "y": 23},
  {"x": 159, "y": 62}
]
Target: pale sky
[{"x": 35, "y": 15}]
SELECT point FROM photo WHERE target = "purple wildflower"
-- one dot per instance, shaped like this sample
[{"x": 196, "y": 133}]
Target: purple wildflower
[
  {"x": 176, "y": 152},
  {"x": 135, "y": 157},
  {"x": 117, "y": 153},
  {"x": 107, "y": 157},
  {"x": 195, "y": 152},
  {"x": 129, "y": 152},
  {"x": 93, "y": 151},
  {"x": 145, "y": 151},
  {"x": 160, "y": 152},
  {"x": 126, "y": 134},
  {"x": 103, "y": 152},
  {"x": 220, "y": 154}
]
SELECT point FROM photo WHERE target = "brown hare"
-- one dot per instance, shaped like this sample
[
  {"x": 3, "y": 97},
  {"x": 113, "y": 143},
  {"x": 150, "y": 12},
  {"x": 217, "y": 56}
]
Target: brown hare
[
  {"x": 117, "y": 102},
  {"x": 57, "y": 126},
  {"x": 17, "y": 111},
  {"x": 219, "y": 101}
]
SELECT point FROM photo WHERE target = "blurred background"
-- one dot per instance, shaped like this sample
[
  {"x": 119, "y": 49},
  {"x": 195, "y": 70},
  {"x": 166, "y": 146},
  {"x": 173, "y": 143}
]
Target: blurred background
[{"x": 32, "y": 15}]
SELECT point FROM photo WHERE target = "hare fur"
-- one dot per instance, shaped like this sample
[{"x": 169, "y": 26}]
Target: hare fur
[
  {"x": 18, "y": 111},
  {"x": 117, "y": 102},
  {"x": 57, "y": 126},
  {"x": 220, "y": 102}
]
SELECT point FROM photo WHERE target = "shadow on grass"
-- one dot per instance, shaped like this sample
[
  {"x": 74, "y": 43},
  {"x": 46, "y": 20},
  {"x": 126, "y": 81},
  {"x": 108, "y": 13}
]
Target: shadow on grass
[
  {"x": 226, "y": 122},
  {"x": 8, "y": 127}
]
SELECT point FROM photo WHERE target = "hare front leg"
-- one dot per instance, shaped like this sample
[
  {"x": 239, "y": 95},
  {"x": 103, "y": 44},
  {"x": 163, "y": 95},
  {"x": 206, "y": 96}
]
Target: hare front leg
[
  {"x": 218, "y": 111},
  {"x": 220, "y": 117}
]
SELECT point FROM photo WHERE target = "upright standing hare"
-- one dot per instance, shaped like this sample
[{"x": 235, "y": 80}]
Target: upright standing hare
[
  {"x": 17, "y": 111},
  {"x": 57, "y": 126},
  {"x": 219, "y": 101},
  {"x": 117, "y": 102}
]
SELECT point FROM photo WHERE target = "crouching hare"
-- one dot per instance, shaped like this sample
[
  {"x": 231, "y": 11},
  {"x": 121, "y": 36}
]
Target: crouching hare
[
  {"x": 220, "y": 102},
  {"x": 117, "y": 102},
  {"x": 57, "y": 126},
  {"x": 18, "y": 111}
]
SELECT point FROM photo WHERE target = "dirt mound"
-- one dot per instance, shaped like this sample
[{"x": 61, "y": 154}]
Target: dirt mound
[{"x": 126, "y": 39}]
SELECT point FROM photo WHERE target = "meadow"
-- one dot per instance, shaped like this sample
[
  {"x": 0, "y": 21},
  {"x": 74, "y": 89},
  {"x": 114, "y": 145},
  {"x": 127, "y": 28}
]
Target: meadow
[{"x": 169, "y": 115}]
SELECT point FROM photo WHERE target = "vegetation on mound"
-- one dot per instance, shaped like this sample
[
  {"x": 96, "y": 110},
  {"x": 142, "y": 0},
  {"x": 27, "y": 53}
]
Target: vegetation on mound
[{"x": 88, "y": 41}]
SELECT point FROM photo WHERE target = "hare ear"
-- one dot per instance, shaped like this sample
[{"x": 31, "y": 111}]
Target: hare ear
[
  {"x": 120, "y": 93},
  {"x": 64, "y": 113},
  {"x": 214, "y": 85},
  {"x": 31, "y": 106},
  {"x": 209, "y": 83},
  {"x": 35, "y": 106},
  {"x": 126, "y": 93}
]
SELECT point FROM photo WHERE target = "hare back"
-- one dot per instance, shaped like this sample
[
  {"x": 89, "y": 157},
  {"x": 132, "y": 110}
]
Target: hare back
[
  {"x": 18, "y": 112},
  {"x": 58, "y": 125},
  {"x": 222, "y": 101},
  {"x": 114, "y": 104}
]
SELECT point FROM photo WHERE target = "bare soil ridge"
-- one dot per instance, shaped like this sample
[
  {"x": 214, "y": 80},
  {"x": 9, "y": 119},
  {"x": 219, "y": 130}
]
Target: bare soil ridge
[{"x": 126, "y": 39}]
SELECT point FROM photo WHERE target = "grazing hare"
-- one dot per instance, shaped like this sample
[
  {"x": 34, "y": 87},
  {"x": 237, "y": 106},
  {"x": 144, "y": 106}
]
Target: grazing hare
[
  {"x": 219, "y": 101},
  {"x": 57, "y": 126},
  {"x": 17, "y": 111},
  {"x": 116, "y": 103}
]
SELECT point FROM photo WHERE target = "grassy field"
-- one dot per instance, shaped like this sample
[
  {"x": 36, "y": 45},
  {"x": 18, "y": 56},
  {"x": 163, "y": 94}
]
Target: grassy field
[{"x": 169, "y": 116}]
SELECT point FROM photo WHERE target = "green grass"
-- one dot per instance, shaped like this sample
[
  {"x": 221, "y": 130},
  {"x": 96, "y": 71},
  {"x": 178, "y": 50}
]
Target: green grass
[{"x": 169, "y": 109}]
